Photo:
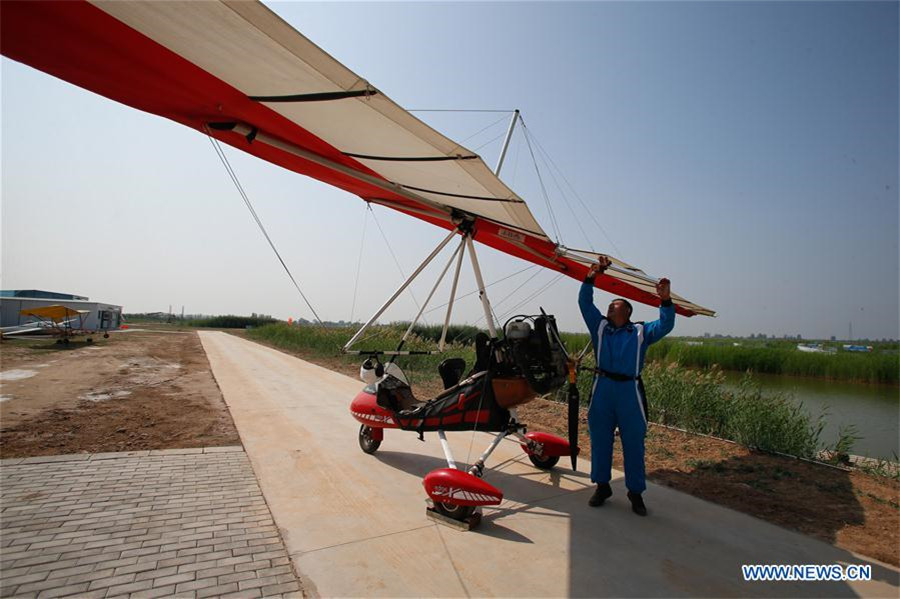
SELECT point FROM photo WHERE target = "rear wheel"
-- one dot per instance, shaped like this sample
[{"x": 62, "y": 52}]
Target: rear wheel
[
  {"x": 543, "y": 462},
  {"x": 366, "y": 442},
  {"x": 457, "y": 512}
]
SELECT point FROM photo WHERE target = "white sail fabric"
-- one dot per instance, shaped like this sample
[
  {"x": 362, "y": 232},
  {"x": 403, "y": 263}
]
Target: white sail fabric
[
  {"x": 253, "y": 50},
  {"x": 237, "y": 72}
]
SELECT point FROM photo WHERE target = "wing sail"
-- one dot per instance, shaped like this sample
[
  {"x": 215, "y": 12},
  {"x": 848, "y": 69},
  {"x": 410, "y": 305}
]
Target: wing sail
[
  {"x": 236, "y": 71},
  {"x": 55, "y": 312}
]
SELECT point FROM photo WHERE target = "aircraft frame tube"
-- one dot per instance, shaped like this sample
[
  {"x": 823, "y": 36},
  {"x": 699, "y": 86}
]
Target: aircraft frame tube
[
  {"x": 261, "y": 136},
  {"x": 405, "y": 284},
  {"x": 446, "y": 447},
  {"x": 482, "y": 294},
  {"x": 430, "y": 295},
  {"x": 509, "y": 132},
  {"x": 477, "y": 467},
  {"x": 462, "y": 250}
]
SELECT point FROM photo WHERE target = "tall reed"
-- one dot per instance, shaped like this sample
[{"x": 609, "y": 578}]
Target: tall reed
[
  {"x": 694, "y": 400},
  {"x": 875, "y": 367}
]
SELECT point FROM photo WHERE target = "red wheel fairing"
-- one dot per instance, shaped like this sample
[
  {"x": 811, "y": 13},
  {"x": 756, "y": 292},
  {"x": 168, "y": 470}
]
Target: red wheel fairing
[{"x": 448, "y": 485}]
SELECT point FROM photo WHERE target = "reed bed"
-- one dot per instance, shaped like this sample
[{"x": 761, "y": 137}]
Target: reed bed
[
  {"x": 700, "y": 402},
  {"x": 875, "y": 367},
  {"x": 230, "y": 321},
  {"x": 694, "y": 400}
]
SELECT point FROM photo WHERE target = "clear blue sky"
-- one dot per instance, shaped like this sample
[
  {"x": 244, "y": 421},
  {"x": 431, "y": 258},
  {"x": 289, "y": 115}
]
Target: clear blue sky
[{"x": 747, "y": 150}]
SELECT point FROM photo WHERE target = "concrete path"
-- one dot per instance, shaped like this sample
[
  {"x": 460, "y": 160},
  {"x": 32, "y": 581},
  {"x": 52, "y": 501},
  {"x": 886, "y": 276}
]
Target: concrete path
[
  {"x": 355, "y": 524},
  {"x": 169, "y": 523}
]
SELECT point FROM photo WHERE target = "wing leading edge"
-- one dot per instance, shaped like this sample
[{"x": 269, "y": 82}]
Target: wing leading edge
[{"x": 236, "y": 71}]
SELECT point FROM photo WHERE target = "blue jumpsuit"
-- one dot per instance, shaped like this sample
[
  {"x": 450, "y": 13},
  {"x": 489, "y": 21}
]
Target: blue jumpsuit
[{"x": 619, "y": 403}]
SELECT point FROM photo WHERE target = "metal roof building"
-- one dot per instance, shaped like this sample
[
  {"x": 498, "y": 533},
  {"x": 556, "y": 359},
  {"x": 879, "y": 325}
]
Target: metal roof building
[{"x": 101, "y": 316}]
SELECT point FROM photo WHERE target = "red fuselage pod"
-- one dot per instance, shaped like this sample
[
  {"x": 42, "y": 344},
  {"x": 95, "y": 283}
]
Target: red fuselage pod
[
  {"x": 553, "y": 445},
  {"x": 365, "y": 409},
  {"x": 448, "y": 485}
]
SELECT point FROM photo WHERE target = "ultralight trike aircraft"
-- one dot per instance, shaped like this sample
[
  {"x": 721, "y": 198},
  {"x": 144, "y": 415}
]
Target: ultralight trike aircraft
[
  {"x": 242, "y": 76},
  {"x": 62, "y": 322}
]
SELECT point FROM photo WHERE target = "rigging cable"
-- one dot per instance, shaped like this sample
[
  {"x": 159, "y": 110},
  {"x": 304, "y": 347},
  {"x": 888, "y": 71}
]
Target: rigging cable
[
  {"x": 500, "y": 120},
  {"x": 397, "y": 262},
  {"x": 516, "y": 164},
  {"x": 490, "y": 141},
  {"x": 362, "y": 245},
  {"x": 562, "y": 192},
  {"x": 578, "y": 197},
  {"x": 454, "y": 110},
  {"x": 221, "y": 153},
  {"x": 511, "y": 293},
  {"x": 534, "y": 295},
  {"x": 381, "y": 331},
  {"x": 541, "y": 180},
  {"x": 459, "y": 297},
  {"x": 463, "y": 336}
]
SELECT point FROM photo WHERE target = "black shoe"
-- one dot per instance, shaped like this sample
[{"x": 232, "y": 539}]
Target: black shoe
[
  {"x": 603, "y": 492},
  {"x": 637, "y": 504}
]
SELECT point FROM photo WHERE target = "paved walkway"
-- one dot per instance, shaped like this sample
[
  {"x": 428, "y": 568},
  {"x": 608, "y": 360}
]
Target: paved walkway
[
  {"x": 180, "y": 522},
  {"x": 355, "y": 525}
]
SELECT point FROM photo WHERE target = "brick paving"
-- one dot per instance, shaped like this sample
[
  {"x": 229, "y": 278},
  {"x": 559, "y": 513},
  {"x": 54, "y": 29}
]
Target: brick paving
[{"x": 176, "y": 522}]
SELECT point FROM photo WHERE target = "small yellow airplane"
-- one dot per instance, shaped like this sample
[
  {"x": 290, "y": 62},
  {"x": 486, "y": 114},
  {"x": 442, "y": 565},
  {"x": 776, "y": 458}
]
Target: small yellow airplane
[{"x": 58, "y": 321}]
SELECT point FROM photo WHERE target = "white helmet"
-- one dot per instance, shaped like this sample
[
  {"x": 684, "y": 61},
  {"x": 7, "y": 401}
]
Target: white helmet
[{"x": 367, "y": 372}]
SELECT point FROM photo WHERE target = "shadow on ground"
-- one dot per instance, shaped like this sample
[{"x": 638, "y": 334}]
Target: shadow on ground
[{"x": 684, "y": 548}]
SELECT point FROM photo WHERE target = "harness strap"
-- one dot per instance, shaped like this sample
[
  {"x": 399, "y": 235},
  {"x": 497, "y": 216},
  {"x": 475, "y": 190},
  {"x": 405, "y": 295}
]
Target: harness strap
[{"x": 611, "y": 375}]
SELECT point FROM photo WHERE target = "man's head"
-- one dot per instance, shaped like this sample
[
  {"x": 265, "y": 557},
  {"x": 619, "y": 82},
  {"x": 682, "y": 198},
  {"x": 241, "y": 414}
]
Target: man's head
[{"x": 619, "y": 312}]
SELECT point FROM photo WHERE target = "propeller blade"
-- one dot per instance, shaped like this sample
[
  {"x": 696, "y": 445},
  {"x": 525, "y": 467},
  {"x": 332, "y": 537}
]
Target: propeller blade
[{"x": 574, "y": 402}]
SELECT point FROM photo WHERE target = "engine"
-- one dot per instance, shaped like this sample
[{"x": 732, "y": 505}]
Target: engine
[{"x": 533, "y": 350}]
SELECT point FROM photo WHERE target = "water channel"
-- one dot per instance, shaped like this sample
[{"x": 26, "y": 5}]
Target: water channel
[{"x": 874, "y": 410}]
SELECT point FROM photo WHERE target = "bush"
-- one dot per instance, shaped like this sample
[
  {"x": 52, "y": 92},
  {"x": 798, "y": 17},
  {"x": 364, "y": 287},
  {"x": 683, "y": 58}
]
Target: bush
[
  {"x": 694, "y": 400},
  {"x": 875, "y": 367},
  {"x": 230, "y": 321},
  {"x": 699, "y": 401}
]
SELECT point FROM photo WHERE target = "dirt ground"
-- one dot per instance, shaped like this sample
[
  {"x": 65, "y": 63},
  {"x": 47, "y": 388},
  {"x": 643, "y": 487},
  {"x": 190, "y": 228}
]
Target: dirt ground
[
  {"x": 155, "y": 390},
  {"x": 135, "y": 390}
]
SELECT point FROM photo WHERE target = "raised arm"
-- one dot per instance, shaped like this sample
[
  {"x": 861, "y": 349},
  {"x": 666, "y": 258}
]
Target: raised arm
[
  {"x": 656, "y": 330},
  {"x": 592, "y": 316}
]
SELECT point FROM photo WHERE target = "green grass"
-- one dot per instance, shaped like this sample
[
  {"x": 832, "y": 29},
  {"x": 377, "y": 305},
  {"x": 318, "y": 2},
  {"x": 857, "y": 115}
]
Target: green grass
[
  {"x": 230, "y": 321},
  {"x": 776, "y": 356},
  {"x": 881, "y": 366},
  {"x": 698, "y": 401},
  {"x": 324, "y": 342}
]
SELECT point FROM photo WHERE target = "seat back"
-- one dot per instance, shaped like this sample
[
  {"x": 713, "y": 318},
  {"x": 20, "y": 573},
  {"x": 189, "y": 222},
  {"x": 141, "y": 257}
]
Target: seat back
[
  {"x": 451, "y": 371},
  {"x": 482, "y": 353}
]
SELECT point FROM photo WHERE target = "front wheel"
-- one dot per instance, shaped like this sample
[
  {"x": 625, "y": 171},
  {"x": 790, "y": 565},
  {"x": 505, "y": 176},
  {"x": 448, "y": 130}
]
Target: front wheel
[
  {"x": 457, "y": 512},
  {"x": 543, "y": 462},
  {"x": 366, "y": 441}
]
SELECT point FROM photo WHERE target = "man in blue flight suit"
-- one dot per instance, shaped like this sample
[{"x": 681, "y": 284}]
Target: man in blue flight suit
[{"x": 617, "y": 395}]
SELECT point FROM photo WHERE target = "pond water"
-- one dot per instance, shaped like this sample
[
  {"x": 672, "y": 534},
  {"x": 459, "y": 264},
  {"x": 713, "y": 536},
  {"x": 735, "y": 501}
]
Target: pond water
[{"x": 873, "y": 409}]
